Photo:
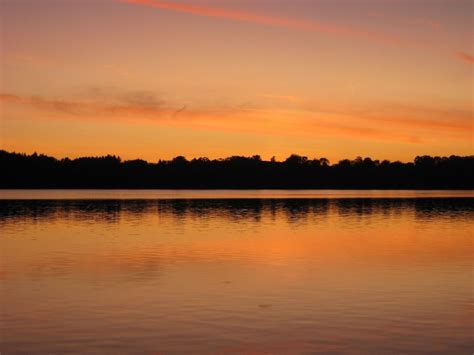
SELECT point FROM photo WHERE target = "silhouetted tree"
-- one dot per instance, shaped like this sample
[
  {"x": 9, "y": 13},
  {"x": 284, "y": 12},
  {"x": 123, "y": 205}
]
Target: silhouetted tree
[{"x": 426, "y": 172}]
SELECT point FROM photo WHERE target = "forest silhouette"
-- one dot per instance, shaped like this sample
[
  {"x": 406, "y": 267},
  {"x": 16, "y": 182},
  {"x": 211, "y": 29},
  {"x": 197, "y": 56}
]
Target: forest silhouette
[{"x": 235, "y": 172}]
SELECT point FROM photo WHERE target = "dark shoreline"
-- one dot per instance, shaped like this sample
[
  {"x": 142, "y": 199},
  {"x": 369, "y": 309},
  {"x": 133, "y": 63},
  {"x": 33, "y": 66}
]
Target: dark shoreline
[{"x": 21, "y": 171}]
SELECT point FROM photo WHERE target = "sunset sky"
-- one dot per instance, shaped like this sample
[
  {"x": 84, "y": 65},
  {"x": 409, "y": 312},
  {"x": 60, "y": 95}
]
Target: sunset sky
[{"x": 151, "y": 79}]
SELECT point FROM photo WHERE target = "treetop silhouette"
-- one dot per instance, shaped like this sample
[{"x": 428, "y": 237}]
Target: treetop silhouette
[{"x": 235, "y": 172}]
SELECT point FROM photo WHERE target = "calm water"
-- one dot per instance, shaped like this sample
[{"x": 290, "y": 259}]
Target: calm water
[{"x": 282, "y": 272}]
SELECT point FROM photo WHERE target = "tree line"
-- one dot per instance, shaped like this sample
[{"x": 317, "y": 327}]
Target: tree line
[{"x": 235, "y": 172}]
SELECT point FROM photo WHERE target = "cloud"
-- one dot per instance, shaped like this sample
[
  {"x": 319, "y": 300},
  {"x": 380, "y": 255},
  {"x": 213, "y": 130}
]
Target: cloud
[
  {"x": 140, "y": 104},
  {"x": 466, "y": 57},
  {"x": 293, "y": 23},
  {"x": 245, "y": 16},
  {"x": 447, "y": 119},
  {"x": 439, "y": 119},
  {"x": 308, "y": 121}
]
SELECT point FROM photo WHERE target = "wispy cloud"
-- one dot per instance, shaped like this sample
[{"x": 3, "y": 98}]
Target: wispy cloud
[
  {"x": 389, "y": 114},
  {"x": 308, "y": 121},
  {"x": 245, "y": 16},
  {"x": 466, "y": 57},
  {"x": 446, "y": 120},
  {"x": 294, "y": 23},
  {"x": 137, "y": 104}
]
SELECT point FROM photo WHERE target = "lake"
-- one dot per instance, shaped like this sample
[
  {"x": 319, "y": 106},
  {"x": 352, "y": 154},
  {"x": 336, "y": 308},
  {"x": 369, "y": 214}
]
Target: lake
[{"x": 236, "y": 272}]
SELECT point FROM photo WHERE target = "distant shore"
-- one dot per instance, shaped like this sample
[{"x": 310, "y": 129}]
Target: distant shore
[{"x": 38, "y": 171}]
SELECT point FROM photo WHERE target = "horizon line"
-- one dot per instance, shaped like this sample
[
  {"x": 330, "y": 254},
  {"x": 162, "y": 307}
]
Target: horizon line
[{"x": 254, "y": 156}]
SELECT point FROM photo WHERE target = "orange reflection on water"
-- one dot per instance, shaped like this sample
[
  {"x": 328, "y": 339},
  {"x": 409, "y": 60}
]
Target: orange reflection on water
[{"x": 239, "y": 276}]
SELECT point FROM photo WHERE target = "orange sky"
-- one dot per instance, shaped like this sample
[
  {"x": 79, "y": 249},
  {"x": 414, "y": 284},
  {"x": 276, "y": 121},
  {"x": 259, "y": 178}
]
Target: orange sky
[{"x": 155, "y": 79}]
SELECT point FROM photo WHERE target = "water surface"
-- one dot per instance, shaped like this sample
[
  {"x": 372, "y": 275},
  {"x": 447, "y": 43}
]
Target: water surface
[{"x": 117, "y": 272}]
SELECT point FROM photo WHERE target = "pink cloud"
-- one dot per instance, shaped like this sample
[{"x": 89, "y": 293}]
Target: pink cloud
[
  {"x": 466, "y": 57},
  {"x": 141, "y": 109},
  {"x": 293, "y": 23},
  {"x": 128, "y": 107},
  {"x": 244, "y": 16}
]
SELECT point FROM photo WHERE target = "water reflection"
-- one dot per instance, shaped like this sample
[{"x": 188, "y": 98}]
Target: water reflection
[
  {"x": 110, "y": 211},
  {"x": 236, "y": 276}
]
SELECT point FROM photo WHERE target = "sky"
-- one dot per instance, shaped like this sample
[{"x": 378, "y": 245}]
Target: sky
[{"x": 150, "y": 79}]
